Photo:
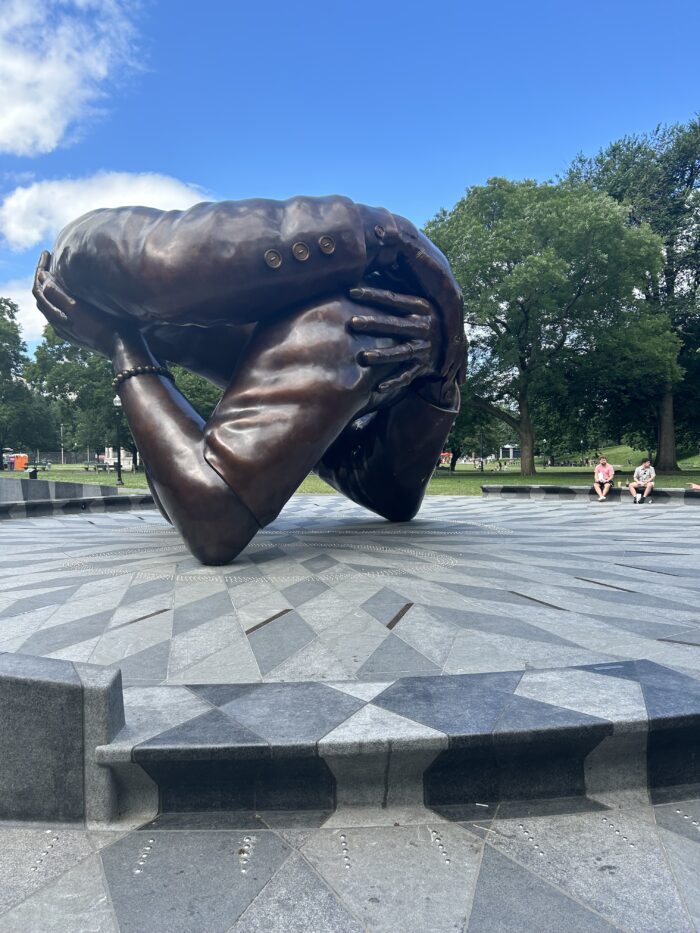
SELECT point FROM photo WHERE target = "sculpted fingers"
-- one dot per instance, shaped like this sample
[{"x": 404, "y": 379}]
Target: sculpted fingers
[
  {"x": 47, "y": 295},
  {"x": 388, "y": 325},
  {"x": 392, "y": 301},
  {"x": 403, "y": 379},
  {"x": 413, "y": 350}
]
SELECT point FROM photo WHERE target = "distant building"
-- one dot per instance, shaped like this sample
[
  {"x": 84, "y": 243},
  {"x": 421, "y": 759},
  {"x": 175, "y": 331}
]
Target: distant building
[{"x": 510, "y": 452}]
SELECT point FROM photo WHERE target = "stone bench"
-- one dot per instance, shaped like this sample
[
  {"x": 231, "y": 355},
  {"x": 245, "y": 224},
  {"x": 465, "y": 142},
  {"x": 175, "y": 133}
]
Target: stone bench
[
  {"x": 38, "y": 508},
  {"x": 660, "y": 496}
]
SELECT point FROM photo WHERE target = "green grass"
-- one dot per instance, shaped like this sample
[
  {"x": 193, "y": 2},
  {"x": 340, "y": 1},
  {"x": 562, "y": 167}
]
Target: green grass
[
  {"x": 76, "y": 474},
  {"x": 466, "y": 481}
]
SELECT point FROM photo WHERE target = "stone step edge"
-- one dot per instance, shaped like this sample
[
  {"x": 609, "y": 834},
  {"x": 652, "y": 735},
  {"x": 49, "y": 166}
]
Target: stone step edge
[
  {"x": 37, "y": 508},
  {"x": 122, "y": 753},
  {"x": 660, "y": 495}
]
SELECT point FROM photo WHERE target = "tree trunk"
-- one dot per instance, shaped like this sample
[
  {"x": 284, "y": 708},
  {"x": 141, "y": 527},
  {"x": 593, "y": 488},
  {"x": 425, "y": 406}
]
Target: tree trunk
[
  {"x": 453, "y": 460},
  {"x": 666, "y": 461},
  {"x": 526, "y": 431}
]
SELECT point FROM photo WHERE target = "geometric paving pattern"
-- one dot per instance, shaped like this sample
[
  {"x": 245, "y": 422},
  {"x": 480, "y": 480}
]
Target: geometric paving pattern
[
  {"x": 492, "y": 736},
  {"x": 479, "y": 618},
  {"x": 551, "y": 866},
  {"x": 330, "y": 593}
]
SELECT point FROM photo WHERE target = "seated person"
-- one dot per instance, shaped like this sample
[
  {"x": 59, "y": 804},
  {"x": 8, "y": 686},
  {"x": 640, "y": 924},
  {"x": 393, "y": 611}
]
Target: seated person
[
  {"x": 643, "y": 476},
  {"x": 335, "y": 330},
  {"x": 604, "y": 473}
]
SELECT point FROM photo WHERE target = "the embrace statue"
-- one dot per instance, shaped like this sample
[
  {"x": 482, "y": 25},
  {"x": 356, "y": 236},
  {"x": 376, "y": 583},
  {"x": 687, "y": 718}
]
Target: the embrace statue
[{"x": 334, "y": 329}]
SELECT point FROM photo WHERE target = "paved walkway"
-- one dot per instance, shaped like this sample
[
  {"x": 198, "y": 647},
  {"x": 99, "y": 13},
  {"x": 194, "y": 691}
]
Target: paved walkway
[
  {"x": 329, "y": 593},
  {"x": 555, "y": 866}
]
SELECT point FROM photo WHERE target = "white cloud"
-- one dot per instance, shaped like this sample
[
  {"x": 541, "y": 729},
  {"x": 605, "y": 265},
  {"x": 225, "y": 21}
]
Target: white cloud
[
  {"x": 30, "y": 319},
  {"x": 56, "y": 61},
  {"x": 34, "y": 214}
]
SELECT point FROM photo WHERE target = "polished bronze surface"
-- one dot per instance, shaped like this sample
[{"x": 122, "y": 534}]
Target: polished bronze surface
[{"x": 334, "y": 329}]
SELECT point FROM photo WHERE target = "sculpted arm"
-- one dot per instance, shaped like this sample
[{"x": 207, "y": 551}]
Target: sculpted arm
[
  {"x": 236, "y": 262},
  {"x": 220, "y": 481}
]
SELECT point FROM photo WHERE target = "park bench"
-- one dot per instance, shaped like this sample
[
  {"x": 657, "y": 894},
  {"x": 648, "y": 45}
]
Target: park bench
[
  {"x": 97, "y": 466},
  {"x": 660, "y": 496},
  {"x": 42, "y": 465}
]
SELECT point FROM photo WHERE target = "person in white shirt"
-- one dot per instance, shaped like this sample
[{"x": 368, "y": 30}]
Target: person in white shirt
[{"x": 643, "y": 476}]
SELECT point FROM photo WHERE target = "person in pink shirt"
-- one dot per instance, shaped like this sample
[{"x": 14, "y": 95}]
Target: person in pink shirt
[{"x": 604, "y": 473}]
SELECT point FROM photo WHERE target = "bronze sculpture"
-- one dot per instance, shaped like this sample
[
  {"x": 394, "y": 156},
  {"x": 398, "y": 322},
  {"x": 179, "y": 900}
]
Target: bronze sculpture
[{"x": 335, "y": 330}]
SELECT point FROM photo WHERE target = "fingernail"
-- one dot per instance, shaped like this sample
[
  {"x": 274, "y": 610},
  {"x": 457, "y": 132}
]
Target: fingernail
[{"x": 356, "y": 292}]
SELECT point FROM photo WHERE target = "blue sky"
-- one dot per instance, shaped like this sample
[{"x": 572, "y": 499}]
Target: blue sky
[{"x": 403, "y": 104}]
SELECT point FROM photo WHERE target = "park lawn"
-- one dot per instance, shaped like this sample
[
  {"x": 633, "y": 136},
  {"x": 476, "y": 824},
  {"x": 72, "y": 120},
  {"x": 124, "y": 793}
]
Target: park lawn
[
  {"x": 468, "y": 482},
  {"x": 76, "y": 474},
  {"x": 465, "y": 481}
]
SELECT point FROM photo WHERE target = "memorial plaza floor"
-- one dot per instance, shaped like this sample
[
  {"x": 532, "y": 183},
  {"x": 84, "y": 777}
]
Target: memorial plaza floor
[{"x": 485, "y": 720}]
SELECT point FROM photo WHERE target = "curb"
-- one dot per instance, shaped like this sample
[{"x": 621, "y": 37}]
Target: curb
[
  {"x": 511, "y": 748},
  {"x": 39, "y": 508},
  {"x": 52, "y": 715},
  {"x": 668, "y": 496}
]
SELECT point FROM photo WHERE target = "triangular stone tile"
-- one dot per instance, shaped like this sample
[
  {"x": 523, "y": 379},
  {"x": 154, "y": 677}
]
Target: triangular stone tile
[
  {"x": 508, "y": 896},
  {"x": 192, "y": 880},
  {"x": 52, "y": 639},
  {"x": 233, "y": 664},
  {"x": 202, "y": 610},
  {"x": 394, "y": 657},
  {"x": 299, "y": 902},
  {"x": 498, "y": 624},
  {"x": 77, "y": 901},
  {"x": 149, "y": 665},
  {"x": 313, "y": 662},
  {"x": 207, "y": 733},
  {"x": 279, "y": 639}
]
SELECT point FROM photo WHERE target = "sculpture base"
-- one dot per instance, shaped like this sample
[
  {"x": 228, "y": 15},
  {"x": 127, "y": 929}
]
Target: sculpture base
[{"x": 484, "y": 652}]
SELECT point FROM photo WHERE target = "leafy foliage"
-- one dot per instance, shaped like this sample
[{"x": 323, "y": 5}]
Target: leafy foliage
[
  {"x": 656, "y": 176},
  {"x": 26, "y": 420},
  {"x": 545, "y": 269}
]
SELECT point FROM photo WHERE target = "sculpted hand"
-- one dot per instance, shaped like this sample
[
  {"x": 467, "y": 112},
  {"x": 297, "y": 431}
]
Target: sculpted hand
[
  {"x": 412, "y": 320},
  {"x": 432, "y": 271},
  {"x": 72, "y": 320},
  {"x": 405, "y": 253}
]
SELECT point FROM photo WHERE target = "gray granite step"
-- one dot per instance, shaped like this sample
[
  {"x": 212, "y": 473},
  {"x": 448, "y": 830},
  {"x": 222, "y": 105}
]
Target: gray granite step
[
  {"x": 660, "y": 495},
  {"x": 626, "y": 729}
]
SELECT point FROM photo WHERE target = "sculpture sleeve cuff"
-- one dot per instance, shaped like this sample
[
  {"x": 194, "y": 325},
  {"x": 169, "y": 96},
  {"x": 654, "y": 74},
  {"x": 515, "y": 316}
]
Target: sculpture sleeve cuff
[
  {"x": 381, "y": 236},
  {"x": 229, "y": 262}
]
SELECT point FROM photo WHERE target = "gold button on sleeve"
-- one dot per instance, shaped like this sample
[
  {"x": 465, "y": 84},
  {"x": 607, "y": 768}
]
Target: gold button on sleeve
[
  {"x": 273, "y": 258},
  {"x": 300, "y": 251},
  {"x": 326, "y": 244}
]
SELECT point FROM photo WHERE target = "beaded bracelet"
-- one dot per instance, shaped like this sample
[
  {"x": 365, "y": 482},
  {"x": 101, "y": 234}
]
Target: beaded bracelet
[{"x": 148, "y": 370}]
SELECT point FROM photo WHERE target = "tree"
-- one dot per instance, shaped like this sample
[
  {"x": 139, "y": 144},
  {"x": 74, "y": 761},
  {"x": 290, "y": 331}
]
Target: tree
[
  {"x": 472, "y": 429},
  {"x": 81, "y": 382},
  {"x": 24, "y": 418},
  {"x": 608, "y": 392},
  {"x": 657, "y": 177},
  {"x": 543, "y": 267},
  {"x": 202, "y": 395}
]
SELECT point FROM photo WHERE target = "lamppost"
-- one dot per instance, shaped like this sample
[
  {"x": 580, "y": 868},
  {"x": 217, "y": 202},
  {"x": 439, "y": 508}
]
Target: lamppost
[
  {"x": 117, "y": 402},
  {"x": 481, "y": 459},
  {"x": 63, "y": 457}
]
